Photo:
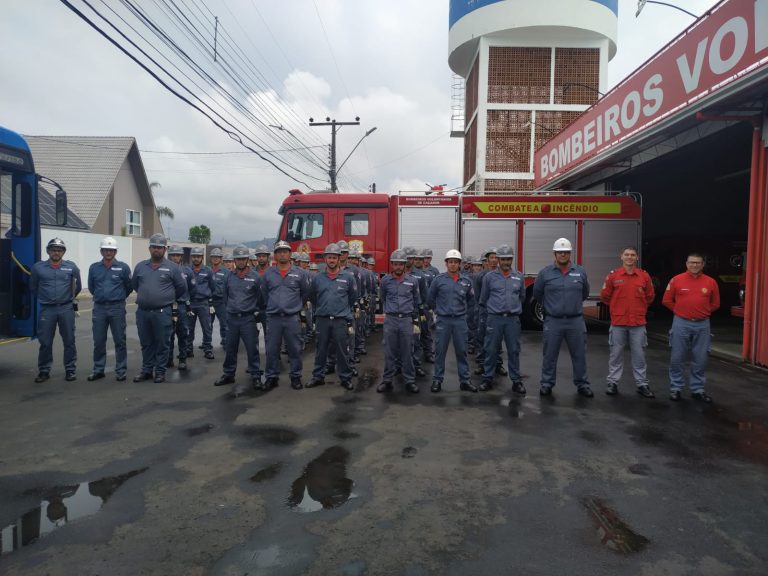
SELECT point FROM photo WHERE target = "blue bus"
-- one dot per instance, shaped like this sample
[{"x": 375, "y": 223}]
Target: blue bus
[{"x": 20, "y": 233}]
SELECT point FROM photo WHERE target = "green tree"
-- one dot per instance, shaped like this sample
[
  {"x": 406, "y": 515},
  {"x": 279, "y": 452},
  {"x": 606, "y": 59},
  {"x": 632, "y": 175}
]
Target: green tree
[
  {"x": 165, "y": 212},
  {"x": 200, "y": 234}
]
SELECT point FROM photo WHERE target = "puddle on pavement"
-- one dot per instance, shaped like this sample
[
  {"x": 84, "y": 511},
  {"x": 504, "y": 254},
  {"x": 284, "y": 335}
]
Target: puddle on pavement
[
  {"x": 324, "y": 483},
  {"x": 592, "y": 437},
  {"x": 59, "y": 506},
  {"x": 408, "y": 452},
  {"x": 612, "y": 532},
  {"x": 346, "y": 435},
  {"x": 269, "y": 435},
  {"x": 367, "y": 378},
  {"x": 267, "y": 473},
  {"x": 640, "y": 469},
  {"x": 198, "y": 430}
]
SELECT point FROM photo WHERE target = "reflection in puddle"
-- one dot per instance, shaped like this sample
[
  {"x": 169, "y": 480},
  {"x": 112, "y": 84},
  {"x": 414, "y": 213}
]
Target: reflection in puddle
[
  {"x": 59, "y": 506},
  {"x": 267, "y": 473},
  {"x": 611, "y": 529},
  {"x": 324, "y": 483}
]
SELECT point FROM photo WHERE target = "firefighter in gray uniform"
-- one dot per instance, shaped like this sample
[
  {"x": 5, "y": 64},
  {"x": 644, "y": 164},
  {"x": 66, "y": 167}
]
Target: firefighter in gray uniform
[
  {"x": 502, "y": 295},
  {"x": 450, "y": 296},
  {"x": 56, "y": 283},
  {"x": 203, "y": 288},
  {"x": 217, "y": 300},
  {"x": 401, "y": 299},
  {"x": 333, "y": 295},
  {"x": 109, "y": 282},
  {"x": 242, "y": 298},
  {"x": 410, "y": 255},
  {"x": 427, "y": 326},
  {"x": 181, "y": 312},
  {"x": 157, "y": 283},
  {"x": 562, "y": 288},
  {"x": 362, "y": 303},
  {"x": 284, "y": 290}
]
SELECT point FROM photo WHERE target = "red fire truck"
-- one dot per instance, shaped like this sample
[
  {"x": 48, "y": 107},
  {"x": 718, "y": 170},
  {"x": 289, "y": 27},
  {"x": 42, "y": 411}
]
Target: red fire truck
[{"x": 598, "y": 226}]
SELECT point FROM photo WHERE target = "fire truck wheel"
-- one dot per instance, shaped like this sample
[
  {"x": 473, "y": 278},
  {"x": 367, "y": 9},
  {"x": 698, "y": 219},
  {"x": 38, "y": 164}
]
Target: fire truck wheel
[{"x": 533, "y": 314}]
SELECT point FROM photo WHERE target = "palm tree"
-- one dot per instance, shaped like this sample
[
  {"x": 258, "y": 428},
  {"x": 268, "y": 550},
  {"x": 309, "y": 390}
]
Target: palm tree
[{"x": 162, "y": 211}]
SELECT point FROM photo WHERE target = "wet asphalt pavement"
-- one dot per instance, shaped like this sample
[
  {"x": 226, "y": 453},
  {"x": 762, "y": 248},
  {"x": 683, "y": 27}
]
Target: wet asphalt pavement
[{"x": 178, "y": 478}]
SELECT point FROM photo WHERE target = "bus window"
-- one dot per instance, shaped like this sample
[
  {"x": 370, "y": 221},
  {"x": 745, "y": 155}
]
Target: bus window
[
  {"x": 356, "y": 224},
  {"x": 304, "y": 226},
  {"x": 22, "y": 210}
]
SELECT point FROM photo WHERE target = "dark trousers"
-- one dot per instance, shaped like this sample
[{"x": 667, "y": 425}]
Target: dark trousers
[
  {"x": 51, "y": 316},
  {"x": 574, "y": 332},
  {"x": 202, "y": 315},
  {"x": 220, "y": 314},
  {"x": 242, "y": 328},
  {"x": 398, "y": 343},
  {"x": 288, "y": 329},
  {"x": 181, "y": 332},
  {"x": 154, "y": 328},
  {"x": 500, "y": 329},
  {"x": 446, "y": 329},
  {"x": 109, "y": 316},
  {"x": 331, "y": 332}
]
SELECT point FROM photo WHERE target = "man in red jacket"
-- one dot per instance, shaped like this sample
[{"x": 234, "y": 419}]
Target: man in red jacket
[
  {"x": 628, "y": 291},
  {"x": 692, "y": 296}
]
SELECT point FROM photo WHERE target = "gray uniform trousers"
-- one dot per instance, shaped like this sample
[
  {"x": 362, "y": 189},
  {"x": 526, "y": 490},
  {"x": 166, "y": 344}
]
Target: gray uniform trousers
[
  {"x": 331, "y": 332},
  {"x": 574, "y": 332},
  {"x": 500, "y": 328},
  {"x": 242, "y": 326},
  {"x": 220, "y": 314},
  {"x": 155, "y": 327},
  {"x": 281, "y": 328},
  {"x": 202, "y": 312},
  {"x": 109, "y": 315},
  {"x": 694, "y": 337},
  {"x": 398, "y": 343},
  {"x": 447, "y": 328},
  {"x": 618, "y": 337},
  {"x": 63, "y": 316}
]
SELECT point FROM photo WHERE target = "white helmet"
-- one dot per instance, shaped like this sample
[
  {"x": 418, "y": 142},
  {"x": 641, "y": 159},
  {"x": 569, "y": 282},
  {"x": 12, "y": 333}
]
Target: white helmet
[
  {"x": 109, "y": 243},
  {"x": 562, "y": 245},
  {"x": 453, "y": 254}
]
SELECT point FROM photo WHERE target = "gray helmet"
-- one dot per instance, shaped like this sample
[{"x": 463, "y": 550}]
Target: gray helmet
[
  {"x": 505, "y": 251},
  {"x": 477, "y": 261},
  {"x": 282, "y": 245},
  {"x": 427, "y": 252},
  {"x": 158, "y": 240},
  {"x": 175, "y": 250},
  {"x": 217, "y": 252},
  {"x": 56, "y": 243},
  {"x": 240, "y": 251},
  {"x": 295, "y": 256},
  {"x": 491, "y": 250},
  {"x": 371, "y": 261},
  {"x": 262, "y": 249},
  {"x": 332, "y": 248},
  {"x": 398, "y": 256},
  {"x": 343, "y": 245},
  {"x": 313, "y": 266},
  {"x": 228, "y": 257},
  {"x": 196, "y": 251},
  {"x": 467, "y": 258},
  {"x": 303, "y": 257},
  {"x": 410, "y": 252},
  {"x": 354, "y": 254}
]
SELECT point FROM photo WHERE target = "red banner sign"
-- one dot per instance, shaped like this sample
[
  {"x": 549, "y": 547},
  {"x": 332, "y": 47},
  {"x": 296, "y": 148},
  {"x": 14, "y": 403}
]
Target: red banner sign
[
  {"x": 717, "y": 49},
  {"x": 431, "y": 200}
]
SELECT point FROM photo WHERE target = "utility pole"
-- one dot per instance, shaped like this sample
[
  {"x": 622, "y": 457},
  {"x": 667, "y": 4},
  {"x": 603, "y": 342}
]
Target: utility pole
[{"x": 335, "y": 126}]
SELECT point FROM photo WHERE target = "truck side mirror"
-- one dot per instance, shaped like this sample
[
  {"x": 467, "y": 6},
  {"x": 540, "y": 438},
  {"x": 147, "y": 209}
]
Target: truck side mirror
[{"x": 61, "y": 208}]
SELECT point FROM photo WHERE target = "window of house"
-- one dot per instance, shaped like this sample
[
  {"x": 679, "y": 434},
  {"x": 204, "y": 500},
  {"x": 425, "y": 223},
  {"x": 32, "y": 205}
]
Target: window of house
[
  {"x": 356, "y": 224},
  {"x": 304, "y": 226},
  {"x": 132, "y": 223}
]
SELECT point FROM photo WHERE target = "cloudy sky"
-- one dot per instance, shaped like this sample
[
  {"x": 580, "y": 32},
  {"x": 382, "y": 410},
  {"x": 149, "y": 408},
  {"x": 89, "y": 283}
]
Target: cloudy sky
[{"x": 384, "y": 61}]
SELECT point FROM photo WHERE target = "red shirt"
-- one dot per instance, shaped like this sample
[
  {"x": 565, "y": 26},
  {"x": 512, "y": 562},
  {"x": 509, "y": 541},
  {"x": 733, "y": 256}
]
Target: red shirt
[
  {"x": 692, "y": 297},
  {"x": 628, "y": 296}
]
